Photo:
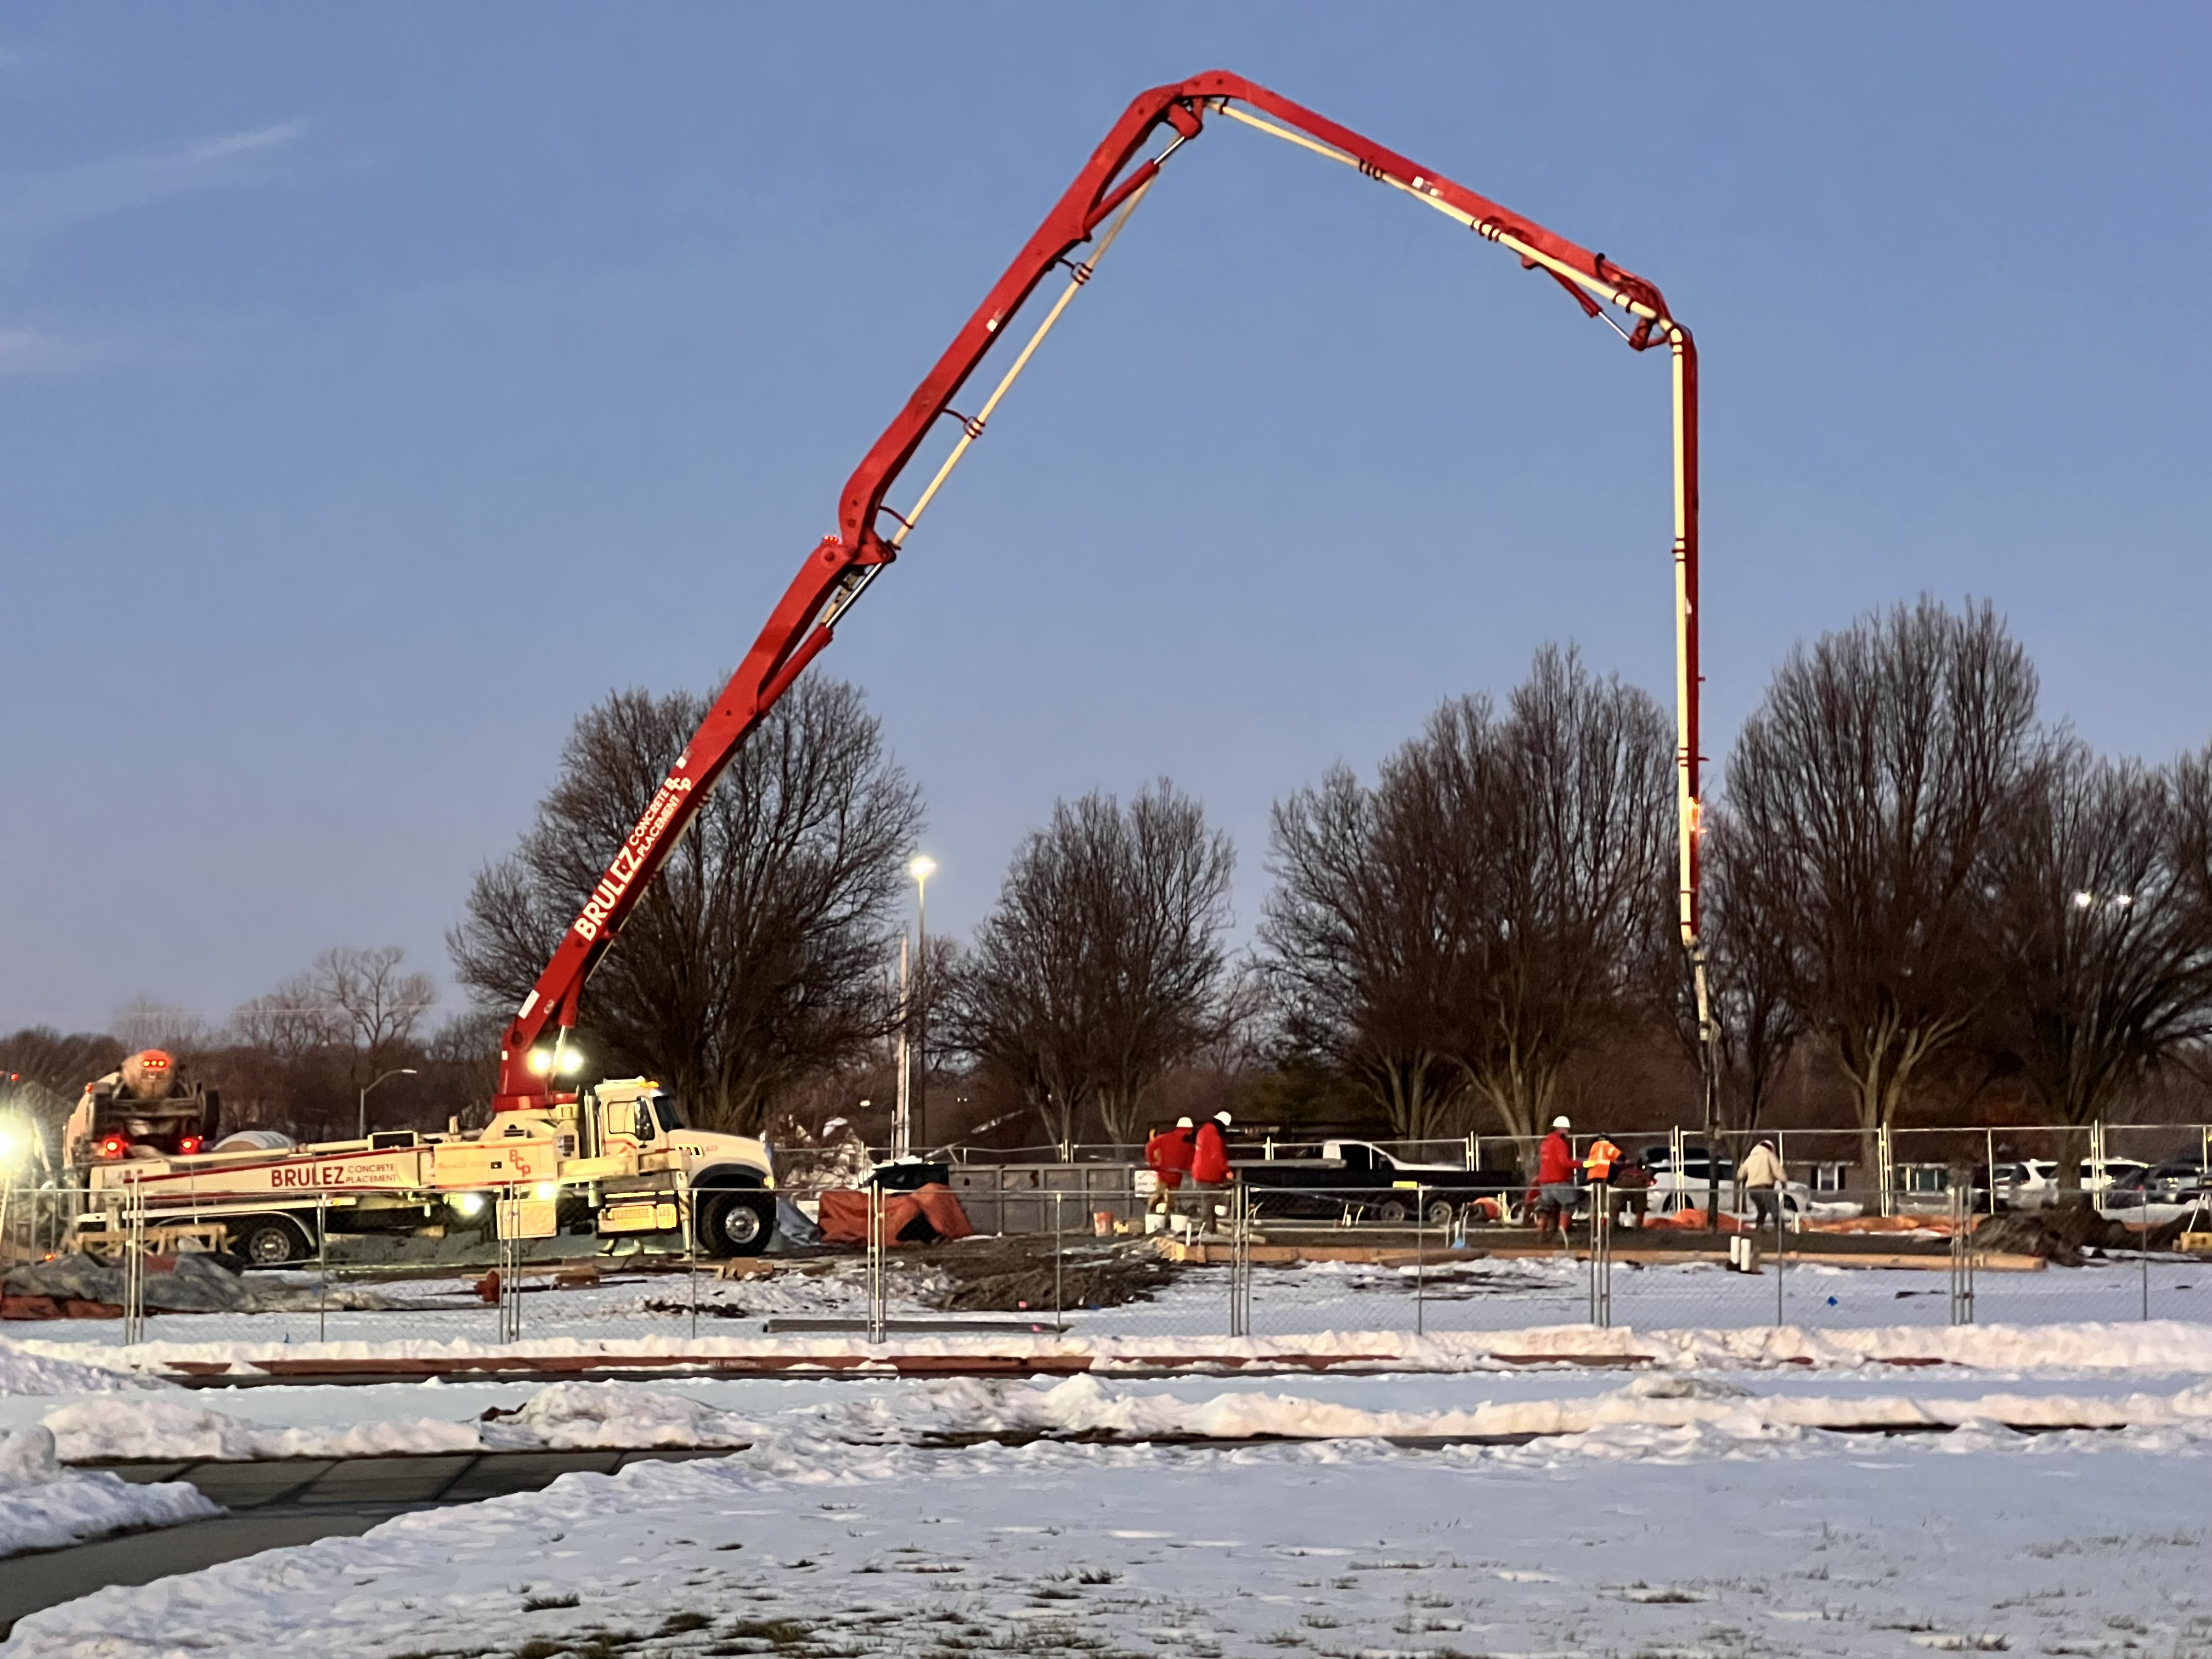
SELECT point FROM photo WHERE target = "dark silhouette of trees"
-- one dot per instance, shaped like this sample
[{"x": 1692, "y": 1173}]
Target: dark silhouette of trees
[
  {"x": 1103, "y": 963},
  {"x": 1495, "y": 901},
  {"x": 2101, "y": 936},
  {"x": 1870, "y": 789},
  {"x": 756, "y": 956},
  {"x": 1360, "y": 947}
]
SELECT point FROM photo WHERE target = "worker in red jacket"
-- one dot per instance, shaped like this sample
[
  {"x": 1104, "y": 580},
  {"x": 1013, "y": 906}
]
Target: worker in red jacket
[
  {"x": 1556, "y": 1192},
  {"x": 1168, "y": 1155},
  {"x": 1209, "y": 1153}
]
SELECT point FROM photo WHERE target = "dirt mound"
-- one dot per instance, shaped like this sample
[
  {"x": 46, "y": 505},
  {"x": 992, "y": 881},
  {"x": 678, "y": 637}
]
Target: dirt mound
[
  {"x": 2061, "y": 1235},
  {"x": 1010, "y": 1275}
]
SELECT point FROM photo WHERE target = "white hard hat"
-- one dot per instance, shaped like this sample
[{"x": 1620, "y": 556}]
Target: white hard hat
[
  {"x": 1222, "y": 1118},
  {"x": 1560, "y": 1123},
  {"x": 1183, "y": 1123}
]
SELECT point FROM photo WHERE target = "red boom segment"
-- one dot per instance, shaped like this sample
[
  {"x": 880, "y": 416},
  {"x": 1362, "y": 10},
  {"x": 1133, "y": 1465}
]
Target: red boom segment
[{"x": 843, "y": 564}]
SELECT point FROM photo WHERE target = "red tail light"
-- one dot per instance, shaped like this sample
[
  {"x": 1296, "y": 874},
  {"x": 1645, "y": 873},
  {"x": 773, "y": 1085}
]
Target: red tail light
[
  {"x": 114, "y": 1146},
  {"x": 189, "y": 1144}
]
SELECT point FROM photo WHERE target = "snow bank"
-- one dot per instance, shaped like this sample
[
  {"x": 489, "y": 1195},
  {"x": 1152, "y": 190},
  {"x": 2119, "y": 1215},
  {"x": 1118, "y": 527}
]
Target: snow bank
[
  {"x": 567, "y": 1416},
  {"x": 44, "y": 1505},
  {"x": 1086, "y": 1406},
  {"x": 1642, "y": 1541},
  {"x": 2155, "y": 1346},
  {"x": 29, "y": 1368}
]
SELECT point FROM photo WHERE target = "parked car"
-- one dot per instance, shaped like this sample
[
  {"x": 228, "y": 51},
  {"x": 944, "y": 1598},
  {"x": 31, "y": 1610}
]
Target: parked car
[
  {"x": 2031, "y": 1183},
  {"x": 2175, "y": 1180},
  {"x": 1357, "y": 1180}
]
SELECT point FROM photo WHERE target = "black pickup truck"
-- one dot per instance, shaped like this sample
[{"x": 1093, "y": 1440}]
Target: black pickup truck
[{"x": 1353, "y": 1180}]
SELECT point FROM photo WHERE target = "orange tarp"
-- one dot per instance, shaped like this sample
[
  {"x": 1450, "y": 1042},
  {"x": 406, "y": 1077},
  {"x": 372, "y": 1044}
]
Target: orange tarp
[{"x": 915, "y": 1217}]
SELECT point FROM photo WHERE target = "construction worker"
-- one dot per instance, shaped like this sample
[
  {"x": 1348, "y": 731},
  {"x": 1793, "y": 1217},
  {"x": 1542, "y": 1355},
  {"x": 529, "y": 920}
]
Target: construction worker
[
  {"x": 1555, "y": 1180},
  {"x": 1209, "y": 1153},
  {"x": 1168, "y": 1155},
  {"x": 1629, "y": 1188},
  {"x": 1761, "y": 1176},
  {"x": 1598, "y": 1161}
]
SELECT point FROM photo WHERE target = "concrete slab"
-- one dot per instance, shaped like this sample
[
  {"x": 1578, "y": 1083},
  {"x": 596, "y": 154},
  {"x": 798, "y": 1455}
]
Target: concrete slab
[
  {"x": 28, "y": 1583},
  {"x": 385, "y": 1480},
  {"x": 144, "y": 1474},
  {"x": 251, "y": 1485},
  {"x": 498, "y": 1474}
]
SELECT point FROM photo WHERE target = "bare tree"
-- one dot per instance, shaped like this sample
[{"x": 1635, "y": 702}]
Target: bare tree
[
  {"x": 2106, "y": 964},
  {"x": 1565, "y": 805},
  {"x": 1360, "y": 950},
  {"x": 1756, "y": 975},
  {"x": 1461, "y": 930},
  {"x": 355, "y": 1002},
  {"x": 1869, "y": 787},
  {"x": 1103, "y": 963},
  {"x": 755, "y": 956}
]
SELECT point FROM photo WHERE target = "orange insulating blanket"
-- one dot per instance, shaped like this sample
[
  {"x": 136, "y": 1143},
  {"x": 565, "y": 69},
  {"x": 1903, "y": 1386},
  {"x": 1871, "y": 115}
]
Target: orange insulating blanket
[
  {"x": 915, "y": 1217},
  {"x": 1690, "y": 1220}
]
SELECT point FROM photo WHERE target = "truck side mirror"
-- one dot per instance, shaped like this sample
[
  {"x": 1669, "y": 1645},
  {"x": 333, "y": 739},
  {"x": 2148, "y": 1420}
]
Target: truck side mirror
[{"x": 643, "y": 1126}]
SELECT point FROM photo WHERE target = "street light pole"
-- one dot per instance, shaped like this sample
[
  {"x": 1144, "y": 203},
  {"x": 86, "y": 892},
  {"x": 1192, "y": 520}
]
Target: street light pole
[
  {"x": 920, "y": 869},
  {"x": 403, "y": 1070}
]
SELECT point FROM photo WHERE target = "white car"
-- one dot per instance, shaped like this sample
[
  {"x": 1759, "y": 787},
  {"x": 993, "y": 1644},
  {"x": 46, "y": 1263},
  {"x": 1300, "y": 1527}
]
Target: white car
[{"x": 2031, "y": 1183}]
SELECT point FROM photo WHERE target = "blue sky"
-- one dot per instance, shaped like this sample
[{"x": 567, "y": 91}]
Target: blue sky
[{"x": 379, "y": 385}]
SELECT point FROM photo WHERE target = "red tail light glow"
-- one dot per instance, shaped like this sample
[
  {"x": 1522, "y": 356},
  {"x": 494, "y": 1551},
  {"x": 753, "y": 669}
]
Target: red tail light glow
[
  {"x": 189, "y": 1144},
  {"x": 113, "y": 1146}
]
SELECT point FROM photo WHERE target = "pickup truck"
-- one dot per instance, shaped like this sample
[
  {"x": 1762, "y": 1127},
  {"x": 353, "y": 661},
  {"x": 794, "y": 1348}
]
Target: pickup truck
[{"x": 1357, "y": 1180}]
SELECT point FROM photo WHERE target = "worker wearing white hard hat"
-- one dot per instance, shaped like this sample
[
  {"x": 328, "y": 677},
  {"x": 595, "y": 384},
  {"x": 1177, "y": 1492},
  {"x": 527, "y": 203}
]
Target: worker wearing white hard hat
[{"x": 1556, "y": 1192}]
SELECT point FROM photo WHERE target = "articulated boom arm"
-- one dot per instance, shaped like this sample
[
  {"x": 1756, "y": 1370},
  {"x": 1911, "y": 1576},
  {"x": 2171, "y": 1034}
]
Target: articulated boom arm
[{"x": 1096, "y": 206}]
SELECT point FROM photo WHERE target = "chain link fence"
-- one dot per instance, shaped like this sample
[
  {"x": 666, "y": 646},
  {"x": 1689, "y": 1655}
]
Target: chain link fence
[{"x": 1099, "y": 1249}]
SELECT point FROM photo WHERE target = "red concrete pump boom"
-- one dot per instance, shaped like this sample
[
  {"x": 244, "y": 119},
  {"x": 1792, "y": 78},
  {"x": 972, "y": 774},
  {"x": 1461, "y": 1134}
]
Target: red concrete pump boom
[{"x": 1096, "y": 205}]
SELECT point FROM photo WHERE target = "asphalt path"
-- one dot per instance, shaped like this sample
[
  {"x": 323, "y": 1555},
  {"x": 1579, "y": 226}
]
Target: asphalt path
[{"x": 279, "y": 1503}]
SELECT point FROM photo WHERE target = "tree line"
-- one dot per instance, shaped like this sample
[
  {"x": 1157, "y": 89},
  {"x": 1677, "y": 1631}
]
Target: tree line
[{"x": 1913, "y": 880}]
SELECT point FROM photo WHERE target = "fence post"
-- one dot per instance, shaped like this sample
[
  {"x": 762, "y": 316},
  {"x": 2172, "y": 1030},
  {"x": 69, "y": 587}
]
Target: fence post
[
  {"x": 690, "y": 1245},
  {"x": 1885, "y": 1168},
  {"x": 1781, "y": 1202},
  {"x": 2143, "y": 1252},
  {"x": 1962, "y": 1258},
  {"x": 322, "y": 1267},
  {"x": 1420, "y": 1260},
  {"x": 1601, "y": 1254},
  {"x": 878, "y": 1298},
  {"x": 1058, "y": 1256},
  {"x": 134, "y": 1267}
]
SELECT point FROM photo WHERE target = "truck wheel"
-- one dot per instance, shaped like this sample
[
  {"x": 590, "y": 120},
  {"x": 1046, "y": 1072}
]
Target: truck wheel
[
  {"x": 735, "y": 1223},
  {"x": 268, "y": 1241},
  {"x": 1439, "y": 1213},
  {"x": 1393, "y": 1211}
]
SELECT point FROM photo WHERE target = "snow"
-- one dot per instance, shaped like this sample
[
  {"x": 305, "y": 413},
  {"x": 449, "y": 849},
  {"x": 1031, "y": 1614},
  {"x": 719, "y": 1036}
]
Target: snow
[
  {"x": 2167, "y": 1346},
  {"x": 566, "y": 1416},
  {"x": 1481, "y": 1294},
  {"x": 1688, "y": 1522},
  {"x": 44, "y": 1505},
  {"x": 25, "y": 1370}
]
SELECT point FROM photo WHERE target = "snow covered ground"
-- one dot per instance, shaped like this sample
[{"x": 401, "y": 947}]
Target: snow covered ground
[
  {"x": 44, "y": 1505},
  {"x": 1486, "y": 1295},
  {"x": 1689, "y": 1513}
]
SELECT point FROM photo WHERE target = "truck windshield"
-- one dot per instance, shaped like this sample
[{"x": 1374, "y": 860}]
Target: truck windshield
[{"x": 667, "y": 1113}]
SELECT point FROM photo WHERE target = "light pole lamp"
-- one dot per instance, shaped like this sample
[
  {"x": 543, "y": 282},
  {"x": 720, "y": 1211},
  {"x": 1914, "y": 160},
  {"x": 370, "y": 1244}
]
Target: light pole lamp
[
  {"x": 401, "y": 1071},
  {"x": 921, "y": 869}
]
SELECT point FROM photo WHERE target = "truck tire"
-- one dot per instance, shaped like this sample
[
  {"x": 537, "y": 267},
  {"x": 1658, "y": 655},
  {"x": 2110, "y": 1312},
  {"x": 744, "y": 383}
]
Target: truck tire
[
  {"x": 1393, "y": 1212},
  {"x": 735, "y": 1223},
  {"x": 1439, "y": 1213},
  {"x": 268, "y": 1241}
]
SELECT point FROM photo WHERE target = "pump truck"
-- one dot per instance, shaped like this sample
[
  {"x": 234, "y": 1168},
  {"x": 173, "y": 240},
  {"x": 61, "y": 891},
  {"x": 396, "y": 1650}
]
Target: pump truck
[
  {"x": 532, "y": 1106},
  {"x": 871, "y": 533},
  {"x": 618, "y": 1160}
]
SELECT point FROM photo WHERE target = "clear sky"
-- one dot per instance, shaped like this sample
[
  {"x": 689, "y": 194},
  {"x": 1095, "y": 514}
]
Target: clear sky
[{"x": 380, "y": 384}]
